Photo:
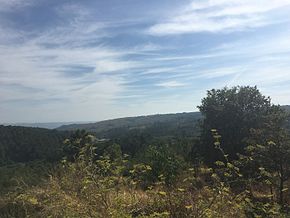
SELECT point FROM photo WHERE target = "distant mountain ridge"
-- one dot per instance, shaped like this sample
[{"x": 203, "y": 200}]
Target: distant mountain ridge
[
  {"x": 46, "y": 125},
  {"x": 132, "y": 122}
]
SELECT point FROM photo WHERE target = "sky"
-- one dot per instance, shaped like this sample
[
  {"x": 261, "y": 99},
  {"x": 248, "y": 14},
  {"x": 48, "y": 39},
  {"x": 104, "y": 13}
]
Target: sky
[{"x": 69, "y": 60}]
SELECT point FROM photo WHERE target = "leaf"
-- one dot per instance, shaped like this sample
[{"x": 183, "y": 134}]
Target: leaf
[
  {"x": 217, "y": 144},
  {"x": 214, "y": 175},
  {"x": 271, "y": 143},
  {"x": 148, "y": 167},
  {"x": 33, "y": 201},
  {"x": 248, "y": 200},
  {"x": 162, "y": 193},
  {"x": 229, "y": 165},
  {"x": 188, "y": 206},
  {"x": 219, "y": 163},
  {"x": 227, "y": 174}
]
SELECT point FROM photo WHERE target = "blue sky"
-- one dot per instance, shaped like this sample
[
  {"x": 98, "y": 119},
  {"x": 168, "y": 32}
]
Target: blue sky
[{"x": 92, "y": 60}]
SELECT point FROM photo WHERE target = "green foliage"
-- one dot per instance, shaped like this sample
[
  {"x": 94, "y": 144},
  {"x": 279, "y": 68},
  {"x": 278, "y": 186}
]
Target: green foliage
[
  {"x": 102, "y": 182},
  {"x": 233, "y": 112},
  {"x": 269, "y": 164},
  {"x": 164, "y": 162},
  {"x": 134, "y": 134},
  {"x": 23, "y": 144},
  {"x": 158, "y": 125},
  {"x": 21, "y": 176}
]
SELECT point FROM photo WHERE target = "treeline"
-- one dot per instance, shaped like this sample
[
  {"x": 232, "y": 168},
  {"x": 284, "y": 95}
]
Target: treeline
[
  {"x": 184, "y": 130},
  {"x": 24, "y": 144},
  {"x": 168, "y": 121},
  {"x": 134, "y": 134}
]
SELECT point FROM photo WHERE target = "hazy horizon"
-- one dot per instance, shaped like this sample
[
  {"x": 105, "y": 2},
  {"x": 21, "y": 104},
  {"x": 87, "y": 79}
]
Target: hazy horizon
[
  {"x": 60, "y": 123},
  {"x": 63, "y": 61}
]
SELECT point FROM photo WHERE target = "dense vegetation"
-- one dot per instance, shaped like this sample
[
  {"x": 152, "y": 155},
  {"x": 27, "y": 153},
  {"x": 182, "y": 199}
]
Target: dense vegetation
[
  {"x": 134, "y": 134},
  {"x": 22, "y": 144},
  {"x": 181, "y": 124},
  {"x": 234, "y": 162}
]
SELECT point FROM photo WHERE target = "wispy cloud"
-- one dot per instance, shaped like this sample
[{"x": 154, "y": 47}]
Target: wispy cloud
[
  {"x": 58, "y": 63},
  {"x": 7, "y": 5},
  {"x": 218, "y": 16},
  {"x": 79, "y": 63},
  {"x": 171, "y": 84}
]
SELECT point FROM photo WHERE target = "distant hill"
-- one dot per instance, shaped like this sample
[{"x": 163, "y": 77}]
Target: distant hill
[
  {"x": 134, "y": 134},
  {"x": 160, "y": 124},
  {"x": 48, "y": 125},
  {"x": 286, "y": 107}
]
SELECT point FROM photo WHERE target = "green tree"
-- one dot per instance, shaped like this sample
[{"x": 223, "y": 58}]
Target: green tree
[
  {"x": 73, "y": 145},
  {"x": 234, "y": 112},
  {"x": 269, "y": 159},
  {"x": 164, "y": 162}
]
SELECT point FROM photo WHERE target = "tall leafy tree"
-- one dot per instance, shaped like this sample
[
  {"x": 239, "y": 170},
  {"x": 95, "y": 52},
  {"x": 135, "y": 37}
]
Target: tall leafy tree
[{"x": 235, "y": 112}]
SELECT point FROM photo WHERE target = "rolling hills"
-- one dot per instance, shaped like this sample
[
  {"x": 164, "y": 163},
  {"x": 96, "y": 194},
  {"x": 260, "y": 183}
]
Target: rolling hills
[{"x": 158, "y": 125}]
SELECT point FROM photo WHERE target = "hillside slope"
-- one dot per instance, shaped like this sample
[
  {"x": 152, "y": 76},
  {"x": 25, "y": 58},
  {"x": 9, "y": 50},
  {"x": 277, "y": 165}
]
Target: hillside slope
[
  {"x": 22, "y": 144},
  {"x": 159, "y": 125}
]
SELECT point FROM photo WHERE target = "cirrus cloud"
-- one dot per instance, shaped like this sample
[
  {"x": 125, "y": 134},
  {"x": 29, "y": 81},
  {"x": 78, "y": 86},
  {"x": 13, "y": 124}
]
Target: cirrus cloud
[{"x": 219, "y": 15}]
